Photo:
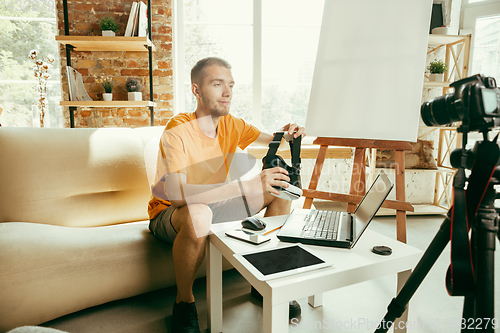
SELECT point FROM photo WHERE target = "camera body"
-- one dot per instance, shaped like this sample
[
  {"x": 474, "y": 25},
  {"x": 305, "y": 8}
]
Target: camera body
[
  {"x": 475, "y": 101},
  {"x": 294, "y": 190},
  {"x": 271, "y": 160}
]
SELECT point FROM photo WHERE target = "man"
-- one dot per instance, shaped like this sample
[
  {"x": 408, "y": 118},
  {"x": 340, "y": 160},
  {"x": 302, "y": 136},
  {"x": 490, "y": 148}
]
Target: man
[{"x": 191, "y": 190}]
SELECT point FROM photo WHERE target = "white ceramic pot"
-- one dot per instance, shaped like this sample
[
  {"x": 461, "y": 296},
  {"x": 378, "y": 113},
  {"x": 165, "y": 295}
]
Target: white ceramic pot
[
  {"x": 135, "y": 96},
  {"x": 107, "y": 96},
  {"x": 436, "y": 77},
  {"x": 441, "y": 31},
  {"x": 108, "y": 33}
]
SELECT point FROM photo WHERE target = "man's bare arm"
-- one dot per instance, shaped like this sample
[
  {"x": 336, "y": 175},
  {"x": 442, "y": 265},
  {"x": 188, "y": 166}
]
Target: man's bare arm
[
  {"x": 265, "y": 138},
  {"x": 180, "y": 193}
]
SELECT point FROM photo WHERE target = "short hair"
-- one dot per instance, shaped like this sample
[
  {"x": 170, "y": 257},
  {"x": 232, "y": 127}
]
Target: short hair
[{"x": 197, "y": 74}]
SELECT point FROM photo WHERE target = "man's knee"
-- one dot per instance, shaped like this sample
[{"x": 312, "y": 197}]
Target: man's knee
[
  {"x": 269, "y": 198},
  {"x": 194, "y": 220},
  {"x": 276, "y": 206}
]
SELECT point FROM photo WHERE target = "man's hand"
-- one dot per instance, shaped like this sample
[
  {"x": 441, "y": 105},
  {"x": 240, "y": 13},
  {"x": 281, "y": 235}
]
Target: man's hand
[
  {"x": 289, "y": 129},
  {"x": 294, "y": 129},
  {"x": 264, "y": 182}
]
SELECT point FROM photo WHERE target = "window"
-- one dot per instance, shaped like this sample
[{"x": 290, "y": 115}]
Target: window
[
  {"x": 24, "y": 26},
  {"x": 221, "y": 28},
  {"x": 487, "y": 47},
  {"x": 270, "y": 44},
  {"x": 483, "y": 19}
]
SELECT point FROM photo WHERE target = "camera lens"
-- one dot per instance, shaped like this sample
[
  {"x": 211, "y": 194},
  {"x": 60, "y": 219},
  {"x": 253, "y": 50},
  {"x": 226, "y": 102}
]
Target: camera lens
[{"x": 439, "y": 111}]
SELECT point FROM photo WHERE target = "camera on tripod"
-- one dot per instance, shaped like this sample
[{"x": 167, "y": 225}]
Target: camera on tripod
[
  {"x": 472, "y": 223},
  {"x": 475, "y": 101}
]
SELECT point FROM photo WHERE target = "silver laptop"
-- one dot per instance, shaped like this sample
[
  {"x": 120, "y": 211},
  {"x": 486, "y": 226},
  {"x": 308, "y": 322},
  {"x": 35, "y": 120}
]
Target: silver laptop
[{"x": 333, "y": 228}]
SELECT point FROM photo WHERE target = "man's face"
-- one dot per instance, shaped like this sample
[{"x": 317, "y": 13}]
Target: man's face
[{"x": 216, "y": 91}]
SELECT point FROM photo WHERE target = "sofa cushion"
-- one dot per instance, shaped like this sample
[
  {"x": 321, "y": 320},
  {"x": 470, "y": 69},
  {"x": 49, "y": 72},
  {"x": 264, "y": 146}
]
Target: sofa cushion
[
  {"x": 48, "y": 271},
  {"x": 74, "y": 177}
]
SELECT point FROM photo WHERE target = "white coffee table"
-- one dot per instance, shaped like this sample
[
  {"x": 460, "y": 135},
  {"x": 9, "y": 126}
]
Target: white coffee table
[{"x": 349, "y": 267}]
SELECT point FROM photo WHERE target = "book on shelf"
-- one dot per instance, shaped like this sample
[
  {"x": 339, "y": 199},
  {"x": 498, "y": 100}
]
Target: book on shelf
[
  {"x": 142, "y": 29},
  {"x": 131, "y": 18},
  {"x": 76, "y": 89},
  {"x": 137, "y": 24}
]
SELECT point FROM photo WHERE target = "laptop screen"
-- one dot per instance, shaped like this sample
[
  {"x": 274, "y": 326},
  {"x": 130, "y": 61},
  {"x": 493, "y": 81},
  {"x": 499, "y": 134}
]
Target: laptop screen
[{"x": 371, "y": 202}]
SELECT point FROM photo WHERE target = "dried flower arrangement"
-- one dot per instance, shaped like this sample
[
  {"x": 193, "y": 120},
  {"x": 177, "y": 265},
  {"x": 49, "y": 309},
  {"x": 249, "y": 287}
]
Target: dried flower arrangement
[
  {"x": 107, "y": 83},
  {"x": 41, "y": 73}
]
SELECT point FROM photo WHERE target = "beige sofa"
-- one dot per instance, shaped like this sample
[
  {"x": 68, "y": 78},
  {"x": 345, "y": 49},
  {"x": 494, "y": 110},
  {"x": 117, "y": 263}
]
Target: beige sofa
[{"x": 73, "y": 221}]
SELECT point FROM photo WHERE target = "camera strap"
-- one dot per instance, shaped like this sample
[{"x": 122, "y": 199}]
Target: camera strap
[
  {"x": 294, "y": 149},
  {"x": 273, "y": 160},
  {"x": 460, "y": 275},
  {"x": 273, "y": 146}
]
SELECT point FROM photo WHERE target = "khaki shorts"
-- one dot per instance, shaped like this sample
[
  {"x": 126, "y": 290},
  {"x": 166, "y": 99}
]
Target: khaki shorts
[{"x": 223, "y": 211}]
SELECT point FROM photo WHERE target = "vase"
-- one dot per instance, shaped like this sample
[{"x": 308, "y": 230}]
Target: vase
[
  {"x": 107, "y": 96},
  {"x": 135, "y": 96},
  {"x": 40, "y": 116},
  {"x": 108, "y": 33},
  {"x": 436, "y": 77},
  {"x": 35, "y": 111}
]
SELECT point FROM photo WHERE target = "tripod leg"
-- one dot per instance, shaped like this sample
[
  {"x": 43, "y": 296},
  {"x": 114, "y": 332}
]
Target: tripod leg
[
  {"x": 398, "y": 305},
  {"x": 468, "y": 314},
  {"x": 484, "y": 232}
]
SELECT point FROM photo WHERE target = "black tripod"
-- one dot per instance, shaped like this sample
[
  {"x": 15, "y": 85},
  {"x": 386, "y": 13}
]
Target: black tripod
[{"x": 478, "y": 310}]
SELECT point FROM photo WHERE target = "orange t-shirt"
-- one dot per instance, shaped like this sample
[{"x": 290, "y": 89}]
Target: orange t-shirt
[{"x": 184, "y": 148}]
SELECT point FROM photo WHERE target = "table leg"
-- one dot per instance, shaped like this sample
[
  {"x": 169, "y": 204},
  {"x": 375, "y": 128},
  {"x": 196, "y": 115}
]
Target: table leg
[
  {"x": 275, "y": 317},
  {"x": 409, "y": 318},
  {"x": 214, "y": 288},
  {"x": 315, "y": 300}
]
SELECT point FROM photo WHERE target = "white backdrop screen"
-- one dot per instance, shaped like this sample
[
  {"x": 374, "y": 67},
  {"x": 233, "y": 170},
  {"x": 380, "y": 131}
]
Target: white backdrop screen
[{"x": 369, "y": 69}]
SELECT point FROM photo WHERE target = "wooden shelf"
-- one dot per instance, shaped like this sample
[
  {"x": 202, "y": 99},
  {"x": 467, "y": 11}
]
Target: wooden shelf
[
  {"x": 434, "y": 84},
  {"x": 110, "y": 104},
  {"x": 102, "y": 43},
  {"x": 306, "y": 152},
  {"x": 441, "y": 169},
  {"x": 419, "y": 209},
  {"x": 435, "y": 39}
]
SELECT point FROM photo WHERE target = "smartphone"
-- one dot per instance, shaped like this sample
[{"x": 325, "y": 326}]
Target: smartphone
[{"x": 252, "y": 239}]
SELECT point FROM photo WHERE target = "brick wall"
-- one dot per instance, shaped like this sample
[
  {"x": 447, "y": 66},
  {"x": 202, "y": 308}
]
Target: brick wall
[{"x": 84, "y": 16}]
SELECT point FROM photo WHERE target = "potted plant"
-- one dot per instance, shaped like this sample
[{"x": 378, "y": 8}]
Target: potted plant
[
  {"x": 437, "y": 69},
  {"x": 108, "y": 26},
  {"x": 134, "y": 87},
  {"x": 107, "y": 84}
]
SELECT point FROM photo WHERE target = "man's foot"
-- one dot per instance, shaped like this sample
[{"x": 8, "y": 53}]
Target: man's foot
[
  {"x": 185, "y": 318},
  {"x": 294, "y": 309}
]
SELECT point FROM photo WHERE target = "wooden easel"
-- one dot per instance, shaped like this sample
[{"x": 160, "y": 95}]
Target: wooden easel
[{"x": 358, "y": 188}]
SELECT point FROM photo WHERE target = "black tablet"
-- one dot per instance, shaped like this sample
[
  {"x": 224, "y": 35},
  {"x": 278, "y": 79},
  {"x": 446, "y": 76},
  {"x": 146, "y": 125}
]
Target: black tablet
[{"x": 280, "y": 262}]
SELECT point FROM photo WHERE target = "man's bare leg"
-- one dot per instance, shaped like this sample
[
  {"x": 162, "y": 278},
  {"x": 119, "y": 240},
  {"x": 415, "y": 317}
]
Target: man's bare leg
[
  {"x": 192, "y": 224},
  {"x": 276, "y": 206}
]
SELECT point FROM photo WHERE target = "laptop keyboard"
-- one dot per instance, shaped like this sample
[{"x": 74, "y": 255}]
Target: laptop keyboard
[{"x": 321, "y": 224}]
